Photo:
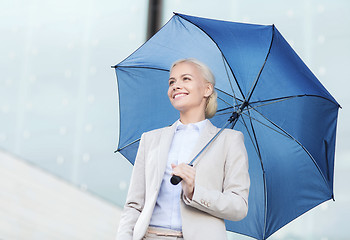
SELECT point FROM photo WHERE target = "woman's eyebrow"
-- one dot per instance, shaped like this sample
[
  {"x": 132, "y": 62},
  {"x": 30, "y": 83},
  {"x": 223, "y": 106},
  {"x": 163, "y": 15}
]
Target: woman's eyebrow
[
  {"x": 186, "y": 74},
  {"x": 173, "y": 78}
]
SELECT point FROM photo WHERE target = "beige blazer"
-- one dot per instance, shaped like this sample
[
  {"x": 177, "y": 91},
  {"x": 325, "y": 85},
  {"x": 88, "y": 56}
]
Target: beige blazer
[{"x": 221, "y": 184}]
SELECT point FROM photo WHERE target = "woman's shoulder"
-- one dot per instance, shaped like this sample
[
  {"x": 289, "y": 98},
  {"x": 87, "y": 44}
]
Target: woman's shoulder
[
  {"x": 233, "y": 133},
  {"x": 156, "y": 132},
  {"x": 227, "y": 132}
]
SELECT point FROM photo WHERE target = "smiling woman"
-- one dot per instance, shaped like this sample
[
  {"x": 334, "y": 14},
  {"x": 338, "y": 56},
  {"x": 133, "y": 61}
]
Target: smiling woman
[
  {"x": 214, "y": 189},
  {"x": 196, "y": 73},
  {"x": 189, "y": 91}
]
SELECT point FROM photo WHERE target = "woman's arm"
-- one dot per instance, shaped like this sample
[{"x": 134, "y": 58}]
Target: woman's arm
[
  {"x": 136, "y": 196},
  {"x": 230, "y": 202}
]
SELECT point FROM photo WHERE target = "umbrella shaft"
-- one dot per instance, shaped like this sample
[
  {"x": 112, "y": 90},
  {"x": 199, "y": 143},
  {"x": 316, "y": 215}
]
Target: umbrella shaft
[{"x": 233, "y": 119}]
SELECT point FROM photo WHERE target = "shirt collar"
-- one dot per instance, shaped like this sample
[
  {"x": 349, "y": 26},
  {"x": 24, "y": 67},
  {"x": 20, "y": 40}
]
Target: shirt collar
[{"x": 198, "y": 126}]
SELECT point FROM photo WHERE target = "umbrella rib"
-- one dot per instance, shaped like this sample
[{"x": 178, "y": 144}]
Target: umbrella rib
[
  {"x": 224, "y": 109},
  {"x": 119, "y": 149},
  {"x": 229, "y": 80},
  {"x": 219, "y": 50},
  {"x": 250, "y": 93},
  {"x": 231, "y": 106},
  {"x": 220, "y": 114},
  {"x": 217, "y": 89},
  {"x": 256, "y": 140},
  {"x": 263, "y": 171},
  {"x": 153, "y": 68},
  {"x": 224, "y": 92},
  {"x": 272, "y": 102},
  {"x": 299, "y": 143},
  {"x": 277, "y": 100},
  {"x": 262, "y": 167},
  {"x": 282, "y": 133},
  {"x": 251, "y": 138}
]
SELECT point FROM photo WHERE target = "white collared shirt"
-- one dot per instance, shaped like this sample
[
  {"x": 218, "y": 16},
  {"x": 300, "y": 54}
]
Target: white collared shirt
[{"x": 166, "y": 213}]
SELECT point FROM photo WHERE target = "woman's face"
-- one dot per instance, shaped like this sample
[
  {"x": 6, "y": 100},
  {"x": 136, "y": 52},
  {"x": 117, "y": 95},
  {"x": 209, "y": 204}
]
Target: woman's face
[{"x": 188, "y": 90}]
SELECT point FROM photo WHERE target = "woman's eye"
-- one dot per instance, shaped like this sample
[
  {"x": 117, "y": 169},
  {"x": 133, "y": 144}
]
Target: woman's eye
[
  {"x": 171, "y": 83},
  {"x": 187, "y": 78}
]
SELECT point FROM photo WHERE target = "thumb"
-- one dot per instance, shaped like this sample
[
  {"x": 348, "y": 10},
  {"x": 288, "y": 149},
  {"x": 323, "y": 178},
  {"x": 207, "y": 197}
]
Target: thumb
[{"x": 173, "y": 165}]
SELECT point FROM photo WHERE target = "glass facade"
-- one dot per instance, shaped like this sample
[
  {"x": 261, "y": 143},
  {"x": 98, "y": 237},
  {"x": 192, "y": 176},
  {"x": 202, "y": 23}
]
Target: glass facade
[
  {"x": 58, "y": 99},
  {"x": 58, "y": 95}
]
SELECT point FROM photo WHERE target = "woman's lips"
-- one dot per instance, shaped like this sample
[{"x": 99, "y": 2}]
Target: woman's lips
[{"x": 178, "y": 95}]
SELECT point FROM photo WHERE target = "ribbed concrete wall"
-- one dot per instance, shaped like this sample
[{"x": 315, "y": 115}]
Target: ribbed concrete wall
[{"x": 37, "y": 205}]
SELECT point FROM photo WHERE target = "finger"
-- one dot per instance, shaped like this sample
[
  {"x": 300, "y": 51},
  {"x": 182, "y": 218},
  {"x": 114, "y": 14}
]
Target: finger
[
  {"x": 188, "y": 183},
  {"x": 173, "y": 165},
  {"x": 188, "y": 178},
  {"x": 187, "y": 173},
  {"x": 188, "y": 170},
  {"x": 183, "y": 169}
]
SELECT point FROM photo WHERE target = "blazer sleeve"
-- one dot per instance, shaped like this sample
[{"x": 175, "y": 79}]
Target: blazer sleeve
[
  {"x": 230, "y": 202},
  {"x": 136, "y": 196}
]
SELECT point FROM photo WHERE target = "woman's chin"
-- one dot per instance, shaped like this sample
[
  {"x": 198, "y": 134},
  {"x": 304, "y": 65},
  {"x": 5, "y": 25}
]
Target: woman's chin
[{"x": 179, "y": 105}]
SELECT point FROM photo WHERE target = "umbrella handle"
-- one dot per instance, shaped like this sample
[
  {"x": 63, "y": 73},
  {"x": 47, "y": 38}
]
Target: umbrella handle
[{"x": 175, "y": 180}]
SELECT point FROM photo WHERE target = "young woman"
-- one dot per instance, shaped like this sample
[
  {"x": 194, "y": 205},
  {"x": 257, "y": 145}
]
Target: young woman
[{"x": 214, "y": 189}]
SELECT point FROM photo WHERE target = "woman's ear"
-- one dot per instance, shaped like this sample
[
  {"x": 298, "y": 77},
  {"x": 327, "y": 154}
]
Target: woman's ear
[{"x": 208, "y": 90}]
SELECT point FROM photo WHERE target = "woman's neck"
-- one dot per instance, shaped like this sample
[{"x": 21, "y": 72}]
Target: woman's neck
[{"x": 189, "y": 117}]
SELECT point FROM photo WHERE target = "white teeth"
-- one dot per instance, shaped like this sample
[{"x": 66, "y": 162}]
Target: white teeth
[{"x": 179, "y": 95}]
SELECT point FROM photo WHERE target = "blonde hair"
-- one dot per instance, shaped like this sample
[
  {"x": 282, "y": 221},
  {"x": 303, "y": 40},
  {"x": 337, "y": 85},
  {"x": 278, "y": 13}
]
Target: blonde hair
[{"x": 212, "y": 104}]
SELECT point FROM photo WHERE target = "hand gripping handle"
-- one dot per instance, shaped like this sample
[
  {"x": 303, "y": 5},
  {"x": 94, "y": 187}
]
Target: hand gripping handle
[{"x": 176, "y": 179}]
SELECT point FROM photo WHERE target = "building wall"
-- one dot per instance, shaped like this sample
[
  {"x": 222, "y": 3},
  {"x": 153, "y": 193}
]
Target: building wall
[{"x": 36, "y": 205}]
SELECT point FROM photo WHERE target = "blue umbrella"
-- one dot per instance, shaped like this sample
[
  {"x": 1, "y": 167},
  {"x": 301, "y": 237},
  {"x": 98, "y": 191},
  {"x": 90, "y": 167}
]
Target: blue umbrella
[{"x": 288, "y": 118}]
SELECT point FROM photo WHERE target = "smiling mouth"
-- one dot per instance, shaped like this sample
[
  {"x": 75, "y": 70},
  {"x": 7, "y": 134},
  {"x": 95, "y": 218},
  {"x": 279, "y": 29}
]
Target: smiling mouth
[{"x": 178, "y": 95}]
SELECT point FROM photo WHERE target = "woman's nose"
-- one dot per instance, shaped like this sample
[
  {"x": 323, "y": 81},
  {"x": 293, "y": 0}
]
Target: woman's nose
[{"x": 177, "y": 85}]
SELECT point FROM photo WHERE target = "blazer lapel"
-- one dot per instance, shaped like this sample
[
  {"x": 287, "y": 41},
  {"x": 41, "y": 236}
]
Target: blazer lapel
[
  {"x": 165, "y": 141},
  {"x": 208, "y": 132}
]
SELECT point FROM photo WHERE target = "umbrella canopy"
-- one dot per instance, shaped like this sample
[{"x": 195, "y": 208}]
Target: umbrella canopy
[{"x": 288, "y": 120}]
